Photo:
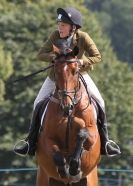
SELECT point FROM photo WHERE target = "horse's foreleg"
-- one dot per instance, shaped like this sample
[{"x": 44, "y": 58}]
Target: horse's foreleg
[
  {"x": 74, "y": 164},
  {"x": 58, "y": 158},
  {"x": 92, "y": 178},
  {"x": 61, "y": 165},
  {"x": 42, "y": 178}
]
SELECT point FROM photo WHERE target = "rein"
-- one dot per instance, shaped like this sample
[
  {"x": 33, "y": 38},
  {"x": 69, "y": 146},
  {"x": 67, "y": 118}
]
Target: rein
[
  {"x": 85, "y": 85},
  {"x": 69, "y": 124},
  {"x": 33, "y": 74},
  {"x": 73, "y": 60}
]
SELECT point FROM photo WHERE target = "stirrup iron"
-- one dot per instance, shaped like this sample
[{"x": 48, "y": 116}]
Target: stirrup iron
[
  {"x": 24, "y": 142},
  {"x": 108, "y": 142}
]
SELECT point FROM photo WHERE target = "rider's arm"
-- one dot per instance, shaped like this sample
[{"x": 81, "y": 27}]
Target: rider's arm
[
  {"x": 46, "y": 51},
  {"x": 92, "y": 55}
]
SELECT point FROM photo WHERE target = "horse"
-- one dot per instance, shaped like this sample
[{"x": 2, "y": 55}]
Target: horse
[{"x": 68, "y": 148}]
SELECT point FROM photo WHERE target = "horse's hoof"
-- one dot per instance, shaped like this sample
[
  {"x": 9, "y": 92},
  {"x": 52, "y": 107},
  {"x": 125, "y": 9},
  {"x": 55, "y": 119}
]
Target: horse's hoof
[
  {"x": 63, "y": 172},
  {"x": 77, "y": 178},
  {"x": 74, "y": 167}
]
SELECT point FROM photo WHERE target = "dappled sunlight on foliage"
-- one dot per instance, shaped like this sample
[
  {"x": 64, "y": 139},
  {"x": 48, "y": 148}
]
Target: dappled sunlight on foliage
[{"x": 24, "y": 25}]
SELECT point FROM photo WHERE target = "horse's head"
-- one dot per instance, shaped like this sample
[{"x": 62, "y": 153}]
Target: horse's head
[{"x": 66, "y": 70}]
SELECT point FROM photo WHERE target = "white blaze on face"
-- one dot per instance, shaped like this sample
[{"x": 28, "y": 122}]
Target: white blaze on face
[{"x": 65, "y": 67}]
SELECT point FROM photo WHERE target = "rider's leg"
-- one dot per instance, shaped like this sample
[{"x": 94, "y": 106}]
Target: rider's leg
[
  {"x": 46, "y": 90},
  {"x": 107, "y": 148},
  {"x": 29, "y": 145}
]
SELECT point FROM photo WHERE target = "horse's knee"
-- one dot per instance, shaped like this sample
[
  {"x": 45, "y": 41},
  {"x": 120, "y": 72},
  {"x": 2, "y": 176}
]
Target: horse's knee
[
  {"x": 59, "y": 159},
  {"x": 87, "y": 138},
  {"x": 83, "y": 134}
]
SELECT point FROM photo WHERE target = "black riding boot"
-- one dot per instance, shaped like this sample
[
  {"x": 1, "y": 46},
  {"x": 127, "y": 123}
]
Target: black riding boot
[
  {"x": 28, "y": 145},
  {"x": 108, "y": 147}
]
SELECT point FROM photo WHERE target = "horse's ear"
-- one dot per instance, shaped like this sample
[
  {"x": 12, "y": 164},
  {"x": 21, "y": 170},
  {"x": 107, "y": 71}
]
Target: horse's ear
[
  {"x": 56, "y": 50},
  {"x": 76, "y": 50}
]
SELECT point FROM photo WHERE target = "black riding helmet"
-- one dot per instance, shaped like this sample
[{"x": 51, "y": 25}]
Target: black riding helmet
[{"x": 70, "y": 15}]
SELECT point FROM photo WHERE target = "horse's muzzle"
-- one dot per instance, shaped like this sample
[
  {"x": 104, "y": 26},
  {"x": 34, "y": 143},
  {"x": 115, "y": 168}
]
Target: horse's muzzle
[{"x": 67, "y": 109}]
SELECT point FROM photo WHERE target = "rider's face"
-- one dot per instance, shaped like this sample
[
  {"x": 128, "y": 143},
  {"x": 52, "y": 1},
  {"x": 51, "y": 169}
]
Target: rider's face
[{"x": 64, "y": 29}]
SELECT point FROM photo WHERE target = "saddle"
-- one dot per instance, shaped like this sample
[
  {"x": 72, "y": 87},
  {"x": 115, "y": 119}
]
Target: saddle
[
  {"x": 101, "y": 125},
  {"x": 38, "y": 114},
  {"x": 42, "y": 105}
]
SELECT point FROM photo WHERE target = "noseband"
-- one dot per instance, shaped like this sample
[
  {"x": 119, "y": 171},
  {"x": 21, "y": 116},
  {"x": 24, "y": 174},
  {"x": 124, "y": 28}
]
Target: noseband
[{"x": 64, "y": 93}]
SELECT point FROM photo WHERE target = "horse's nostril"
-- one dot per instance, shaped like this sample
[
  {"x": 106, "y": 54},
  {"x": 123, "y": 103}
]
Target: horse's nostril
[
  {"x": 71, "y": 107},
  {"x": 67, "y": 109}
]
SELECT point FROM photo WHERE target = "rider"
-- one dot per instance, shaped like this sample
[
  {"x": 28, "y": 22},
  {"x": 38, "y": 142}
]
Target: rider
[{"x": 69, "y": 22}]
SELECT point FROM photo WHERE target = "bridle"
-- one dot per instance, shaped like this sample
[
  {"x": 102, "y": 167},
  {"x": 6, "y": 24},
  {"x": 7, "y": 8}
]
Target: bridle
[
  {"x": 73, "y": 97},
  {"x": 72, "y": 94}
]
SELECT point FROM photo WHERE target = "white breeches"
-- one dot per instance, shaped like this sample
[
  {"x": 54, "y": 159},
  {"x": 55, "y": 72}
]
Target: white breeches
[{"x": 48, "y": 88}]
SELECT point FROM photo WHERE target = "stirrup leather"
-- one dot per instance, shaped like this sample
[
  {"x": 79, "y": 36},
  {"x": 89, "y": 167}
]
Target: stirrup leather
[
  {"x": 108, "y": 142},
  {"x": 24, "y": 142}
]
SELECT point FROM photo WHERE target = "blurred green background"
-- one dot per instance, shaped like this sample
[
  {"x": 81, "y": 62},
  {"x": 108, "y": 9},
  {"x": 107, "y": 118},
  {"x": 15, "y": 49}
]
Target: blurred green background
[{"x": 24, "y": 25}]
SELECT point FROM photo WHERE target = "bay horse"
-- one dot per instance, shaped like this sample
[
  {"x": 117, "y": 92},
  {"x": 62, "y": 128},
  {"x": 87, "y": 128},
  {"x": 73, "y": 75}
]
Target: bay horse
[{"x": 68, "y": 149}]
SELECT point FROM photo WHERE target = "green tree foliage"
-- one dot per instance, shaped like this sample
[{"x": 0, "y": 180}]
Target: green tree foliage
[
  {"x": 24, "y": 25},
  {"x": 5, "y": 70},
  {"x": 117, "y": 20}
]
